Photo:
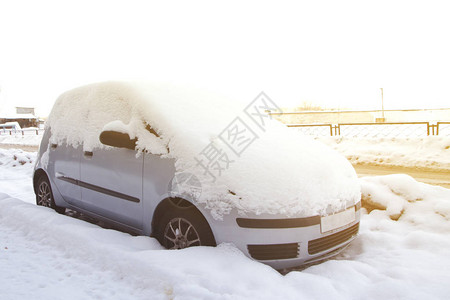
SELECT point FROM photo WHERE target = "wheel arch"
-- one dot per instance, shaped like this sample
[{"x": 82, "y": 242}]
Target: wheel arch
[{"x": 170, "y": 203}]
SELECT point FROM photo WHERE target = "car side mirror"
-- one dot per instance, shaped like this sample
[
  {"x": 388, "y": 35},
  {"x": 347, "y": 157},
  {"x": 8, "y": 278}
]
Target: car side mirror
[{"x": 117, "y": 139}]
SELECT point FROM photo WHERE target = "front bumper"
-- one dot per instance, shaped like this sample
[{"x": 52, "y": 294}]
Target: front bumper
[{"x": 285, "y": 242}]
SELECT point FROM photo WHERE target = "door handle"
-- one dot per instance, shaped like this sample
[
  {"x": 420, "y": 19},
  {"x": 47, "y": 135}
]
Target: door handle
[
  {"x": 54, "y": 146},
  {"x": 88, "y": 153}
]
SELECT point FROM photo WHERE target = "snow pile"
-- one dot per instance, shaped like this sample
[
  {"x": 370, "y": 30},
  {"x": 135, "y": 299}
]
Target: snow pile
[
  {"x": 407, "y": 200},
  {"x": 279, "y": 172},
  {"x": 16, "y": 171},
  {"x": 432, "y": 152},
  {"x": 16, "y": 158}
]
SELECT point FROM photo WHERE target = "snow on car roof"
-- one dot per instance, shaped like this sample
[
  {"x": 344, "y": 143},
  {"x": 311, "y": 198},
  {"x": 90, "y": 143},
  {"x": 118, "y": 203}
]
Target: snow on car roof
[{"x": 241, "y": 158}]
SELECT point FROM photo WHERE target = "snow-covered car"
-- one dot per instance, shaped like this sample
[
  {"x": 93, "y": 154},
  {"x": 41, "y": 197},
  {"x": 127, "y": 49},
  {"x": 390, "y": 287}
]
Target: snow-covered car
[{"x": 192, "y": 168}]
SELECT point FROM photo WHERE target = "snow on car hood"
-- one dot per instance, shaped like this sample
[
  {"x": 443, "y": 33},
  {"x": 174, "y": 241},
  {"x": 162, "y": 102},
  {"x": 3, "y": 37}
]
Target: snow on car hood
[{"x": 241, "y": 159}]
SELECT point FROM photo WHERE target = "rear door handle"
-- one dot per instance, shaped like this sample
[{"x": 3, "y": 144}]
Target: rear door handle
[
  {"x": 88, "y": 153},
  {"x": 54, "y": 146}
]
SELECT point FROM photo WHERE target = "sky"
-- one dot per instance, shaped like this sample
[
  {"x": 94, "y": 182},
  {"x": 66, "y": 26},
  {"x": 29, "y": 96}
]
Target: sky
[{"x": 337, "y": 54}]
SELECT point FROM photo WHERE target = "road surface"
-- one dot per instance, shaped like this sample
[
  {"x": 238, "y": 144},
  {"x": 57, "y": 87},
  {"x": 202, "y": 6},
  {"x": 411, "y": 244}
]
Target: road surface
[
  {"x": 441, "y": 177},
  {"x": 23, "y": 147}
]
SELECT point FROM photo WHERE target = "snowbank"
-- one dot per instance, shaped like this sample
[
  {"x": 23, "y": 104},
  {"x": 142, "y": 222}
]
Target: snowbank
[
  {"x": 278, "y": 170},
  {"x": 406, "y": 200},
  {"x": 16, "y": 157},
  {"x": 16, "y": 171},
  {"x": 432, "y": 152}
]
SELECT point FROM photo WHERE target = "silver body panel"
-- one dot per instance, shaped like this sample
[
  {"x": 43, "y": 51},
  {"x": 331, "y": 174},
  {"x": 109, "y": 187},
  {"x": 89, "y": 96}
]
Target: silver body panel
[{"x": 111, "y": 185}]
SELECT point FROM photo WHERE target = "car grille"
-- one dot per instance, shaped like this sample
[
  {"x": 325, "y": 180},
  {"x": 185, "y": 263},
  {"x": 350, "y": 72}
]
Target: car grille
[
  {"x": 322, "y": 244},
  {"x": 273, "y": 251}
]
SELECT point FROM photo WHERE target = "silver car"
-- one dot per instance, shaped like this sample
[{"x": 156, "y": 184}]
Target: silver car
[{"x": 107, "y": 176}]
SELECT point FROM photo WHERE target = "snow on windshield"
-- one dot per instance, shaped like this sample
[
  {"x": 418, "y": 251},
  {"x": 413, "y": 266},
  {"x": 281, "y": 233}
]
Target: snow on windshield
[{"x": 258, "y": 168}]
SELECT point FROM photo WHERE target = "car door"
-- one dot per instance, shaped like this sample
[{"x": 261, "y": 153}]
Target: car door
[
  {"x": 64, "y": 169},
  {"x": 111, "y": 184}
]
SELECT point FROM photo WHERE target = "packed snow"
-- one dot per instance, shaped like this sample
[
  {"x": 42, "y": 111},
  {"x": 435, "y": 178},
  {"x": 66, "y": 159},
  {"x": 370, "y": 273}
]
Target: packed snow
[
  {"x": 402, "y": 252},
  {"x": 241, "y": 158}
]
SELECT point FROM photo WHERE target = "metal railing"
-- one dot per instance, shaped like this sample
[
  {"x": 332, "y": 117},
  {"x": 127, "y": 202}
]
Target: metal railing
[
  {"x": 443, "y": 128},
  {"x": 372, "y": 130},
  {"x": 315, "y": 129}
]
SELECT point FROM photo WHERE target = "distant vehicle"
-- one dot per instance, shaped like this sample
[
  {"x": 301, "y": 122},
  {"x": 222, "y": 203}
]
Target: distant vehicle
[
  {"x": 10, "y": 126},
  {"x": 106, "y": 154}
]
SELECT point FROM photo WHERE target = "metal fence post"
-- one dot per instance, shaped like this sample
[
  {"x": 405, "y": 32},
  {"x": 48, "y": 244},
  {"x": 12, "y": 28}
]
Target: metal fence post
[
  {"x": 396, "y": 129},
  {"x": 434, "y": 129}
]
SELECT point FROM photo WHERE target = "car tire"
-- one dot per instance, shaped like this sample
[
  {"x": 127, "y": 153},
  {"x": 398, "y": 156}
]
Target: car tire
[
  {"x": 44, "y": 195},
  {"x": 182, "y": 227}
]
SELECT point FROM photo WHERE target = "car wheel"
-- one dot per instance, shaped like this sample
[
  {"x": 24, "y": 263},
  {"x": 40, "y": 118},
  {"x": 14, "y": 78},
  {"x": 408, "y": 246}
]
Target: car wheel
[
  {"x": 184, "y": 227},
  {"x": 44, "y": 195}
]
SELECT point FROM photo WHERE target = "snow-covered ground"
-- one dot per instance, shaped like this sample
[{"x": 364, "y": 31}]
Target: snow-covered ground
[
  {"x": 432, "y": 152},
  {"x": 402, "y": 251},
  {"x": 19, "y": 139}
]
